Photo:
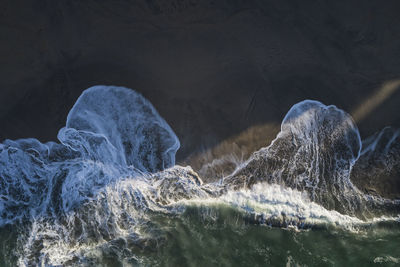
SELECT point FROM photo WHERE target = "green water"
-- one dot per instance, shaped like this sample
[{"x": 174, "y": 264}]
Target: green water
[
  {"x": 222, "y": 236},
  {"x": 227, "y": 240}
]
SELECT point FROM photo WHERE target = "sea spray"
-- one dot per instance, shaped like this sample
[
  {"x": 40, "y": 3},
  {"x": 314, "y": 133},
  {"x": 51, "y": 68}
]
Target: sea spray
[{"x": 96, "y": 195}]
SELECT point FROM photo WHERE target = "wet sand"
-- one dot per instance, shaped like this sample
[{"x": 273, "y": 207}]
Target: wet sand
[{"x": 213, "y": 69}]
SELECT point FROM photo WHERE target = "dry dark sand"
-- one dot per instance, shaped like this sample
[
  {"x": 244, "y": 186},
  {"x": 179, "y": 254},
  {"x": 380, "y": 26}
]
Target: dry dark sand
[{"x": 217, "y": 71}]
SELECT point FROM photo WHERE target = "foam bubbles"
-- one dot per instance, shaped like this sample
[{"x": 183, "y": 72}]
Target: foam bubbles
[
  {"x": 127, "y": 129},
  {"x": 115, "y": 167},
  {"x": 314, "y": 152}
]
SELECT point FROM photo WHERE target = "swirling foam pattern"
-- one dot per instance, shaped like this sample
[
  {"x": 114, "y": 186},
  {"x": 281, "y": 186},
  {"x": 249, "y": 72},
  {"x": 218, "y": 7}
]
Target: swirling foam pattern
[{"x": 114, "y": 169}]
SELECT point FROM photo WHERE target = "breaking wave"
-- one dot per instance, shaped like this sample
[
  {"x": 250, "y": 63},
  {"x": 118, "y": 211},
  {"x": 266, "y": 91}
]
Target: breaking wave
[{"x": 101, "y": 187}]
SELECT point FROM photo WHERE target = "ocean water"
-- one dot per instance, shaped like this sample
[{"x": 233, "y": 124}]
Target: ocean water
[{"x": 108, "y": 193}]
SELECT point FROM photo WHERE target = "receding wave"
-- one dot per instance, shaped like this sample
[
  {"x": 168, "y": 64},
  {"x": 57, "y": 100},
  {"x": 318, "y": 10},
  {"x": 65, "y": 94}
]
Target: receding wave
[{"x": 97, "y": 195}]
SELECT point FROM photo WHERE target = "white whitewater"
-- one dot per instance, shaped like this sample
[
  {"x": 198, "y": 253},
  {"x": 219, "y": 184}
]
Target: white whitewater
[
  {"x": 314, "y": 152},
  {"x": 115, "y": 167},
  {"x": 118, "y": 125}
]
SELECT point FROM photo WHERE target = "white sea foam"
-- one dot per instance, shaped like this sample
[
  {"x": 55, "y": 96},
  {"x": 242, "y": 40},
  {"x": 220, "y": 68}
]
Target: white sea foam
[
  {"x": 115, "y": 166},
  {"x": 277, "y": 204},
  {"x": 127, "y": 129},
  {"x": 386, "y": 259}
]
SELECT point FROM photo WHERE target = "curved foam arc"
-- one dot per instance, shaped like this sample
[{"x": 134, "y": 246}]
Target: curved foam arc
[
  {"x": 303, "y": 112},
  {"x": 117, "y": 134},
  {"x": 314, "y": 152},
  {"x": 109, "y": 174},
  {"x": 128, "y": 122},
  {"x": 387, "y": 134},
  {"x": 291, "y": 115}
]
